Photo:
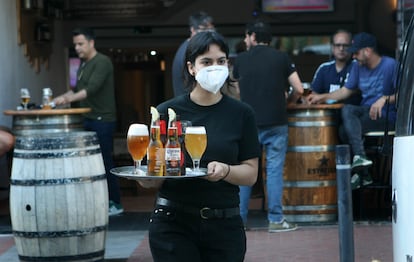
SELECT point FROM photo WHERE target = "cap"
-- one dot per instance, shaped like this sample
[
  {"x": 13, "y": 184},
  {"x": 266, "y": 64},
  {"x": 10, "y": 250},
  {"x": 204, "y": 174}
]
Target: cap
[{"x": 362, "y": 40}]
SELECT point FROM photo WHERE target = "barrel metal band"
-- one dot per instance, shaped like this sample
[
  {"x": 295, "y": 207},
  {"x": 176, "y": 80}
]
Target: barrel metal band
[
  {"x": 63, "y": 153},
  {"x": 303, "y": 149},
  {"x": 56, "y": 234},
  {"x": 57, "y": 141},
  {"x": 56, "y": 181},
  {"x": 314, "y": 183},
  {"x": 311, "y": 217},
  {"x": 309, "y": 207},
  {"x": 54, "y": 129},
  {"x": 311, "y": 113},
  {"x": 312, "y": 123},
  {"x": 77, "y": 257},
  {"x": 29, "y": 121}
]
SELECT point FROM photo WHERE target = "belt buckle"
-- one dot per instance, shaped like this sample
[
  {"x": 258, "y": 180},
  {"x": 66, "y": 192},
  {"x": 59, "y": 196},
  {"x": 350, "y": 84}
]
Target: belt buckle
[{"x": 205, "y": 215}]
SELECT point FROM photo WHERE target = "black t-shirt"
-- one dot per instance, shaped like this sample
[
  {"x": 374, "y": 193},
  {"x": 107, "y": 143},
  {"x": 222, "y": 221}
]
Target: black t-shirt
[
  {"x": 231, "y": 138},
  {"x": 263, "y": 74}
]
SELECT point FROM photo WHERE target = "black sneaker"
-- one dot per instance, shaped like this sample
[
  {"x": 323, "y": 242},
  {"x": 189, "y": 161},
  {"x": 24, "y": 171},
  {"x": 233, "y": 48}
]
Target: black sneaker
[
  {"x": 367, "y": 180},
  {"x": 355, "y": 182}
]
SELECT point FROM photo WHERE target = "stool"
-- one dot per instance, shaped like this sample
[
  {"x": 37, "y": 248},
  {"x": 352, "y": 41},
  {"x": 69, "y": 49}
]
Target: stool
[{"x": 378, "y": 148}]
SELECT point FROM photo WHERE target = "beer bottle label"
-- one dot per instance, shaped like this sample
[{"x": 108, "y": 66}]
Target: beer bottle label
[
  {"x": 172, "y": 161},
  {"x": 155, "y": 154},
  {"x": 156, "y": 161}
]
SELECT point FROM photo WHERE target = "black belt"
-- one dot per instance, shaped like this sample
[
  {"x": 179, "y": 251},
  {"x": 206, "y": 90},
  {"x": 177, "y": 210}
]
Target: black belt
[{"x": 204, "y": 213}]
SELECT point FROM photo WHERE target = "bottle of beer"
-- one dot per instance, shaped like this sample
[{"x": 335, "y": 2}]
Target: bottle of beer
[
  {"x": 181, "y": 141},
  {"x": 163, "y": 129},
  {"x": 155, "y": 154},
  {"x": 173, "y": 147}
]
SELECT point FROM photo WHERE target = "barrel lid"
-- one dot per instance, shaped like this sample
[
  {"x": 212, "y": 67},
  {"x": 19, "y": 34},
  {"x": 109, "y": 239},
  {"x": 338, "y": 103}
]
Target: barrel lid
[
  {"x": 63, "y": 111},
  {"x": 314, "y": 106}
]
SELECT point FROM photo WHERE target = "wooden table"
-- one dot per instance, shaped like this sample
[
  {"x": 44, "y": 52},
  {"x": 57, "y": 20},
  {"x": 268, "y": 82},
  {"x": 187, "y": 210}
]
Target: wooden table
[
  {"x": 310, "y": 193},
  {"x": 43, "y": 121},
  {"x": 309, "y": 173}
]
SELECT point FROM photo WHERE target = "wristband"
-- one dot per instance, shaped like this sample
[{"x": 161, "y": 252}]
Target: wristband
[{"x": 228, "y": 172}]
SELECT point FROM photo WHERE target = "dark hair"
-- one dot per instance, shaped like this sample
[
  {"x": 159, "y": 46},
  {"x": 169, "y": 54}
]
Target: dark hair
[
  {"x": 86, "y": 31},
  {"x": 198, "y": 45},
  {"x": 199, "y": 19},
  {"x": 262, "y": 31},
  {"x": 341, "y": 31}
]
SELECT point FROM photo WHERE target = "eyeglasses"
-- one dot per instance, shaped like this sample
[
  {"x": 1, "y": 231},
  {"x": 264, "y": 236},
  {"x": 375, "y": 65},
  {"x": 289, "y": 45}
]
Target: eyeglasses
[
  {"x": 341, "y": 45},
  {"x": 205, "y": 29}
]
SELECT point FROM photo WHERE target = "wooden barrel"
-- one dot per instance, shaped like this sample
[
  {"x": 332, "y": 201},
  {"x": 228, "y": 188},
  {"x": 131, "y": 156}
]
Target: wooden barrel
[
  {"x": 310, "y": 193},
  {"x": 59, "y": 197}
]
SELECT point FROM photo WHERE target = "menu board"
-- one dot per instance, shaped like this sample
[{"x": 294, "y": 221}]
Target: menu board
[{"x": 280, "y": 6}]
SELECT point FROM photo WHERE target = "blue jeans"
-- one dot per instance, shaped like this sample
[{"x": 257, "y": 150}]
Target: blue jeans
[
  {"x": 274, "y": 141},
  {"x": 105, "y": 132},
  {"x": 356, "y": 122}
]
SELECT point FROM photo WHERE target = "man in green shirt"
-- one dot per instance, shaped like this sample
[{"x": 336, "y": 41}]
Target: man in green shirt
[{"x": 95, "y": 89}]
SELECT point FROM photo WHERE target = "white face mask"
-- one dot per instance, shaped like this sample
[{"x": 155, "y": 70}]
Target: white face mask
[{"x": 212, "y": 78}]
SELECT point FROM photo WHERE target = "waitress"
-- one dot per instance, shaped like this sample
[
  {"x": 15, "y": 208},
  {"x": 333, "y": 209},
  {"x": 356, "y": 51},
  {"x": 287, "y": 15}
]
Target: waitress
[{"x": 198, "y": 219}]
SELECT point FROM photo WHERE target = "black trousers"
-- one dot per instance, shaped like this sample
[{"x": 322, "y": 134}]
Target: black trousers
[{"x": 176, "y": 236}]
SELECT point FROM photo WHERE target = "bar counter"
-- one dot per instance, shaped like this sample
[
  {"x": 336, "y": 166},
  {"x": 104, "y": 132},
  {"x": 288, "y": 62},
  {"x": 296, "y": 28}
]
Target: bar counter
[{"x": 44, "y": 121}]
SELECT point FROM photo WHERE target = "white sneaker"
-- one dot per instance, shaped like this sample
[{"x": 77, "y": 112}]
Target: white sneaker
[
  {"x": 360, "y": 161},
  {"x": 283, "y": 226},
  {"x": 114, "y": 208}
]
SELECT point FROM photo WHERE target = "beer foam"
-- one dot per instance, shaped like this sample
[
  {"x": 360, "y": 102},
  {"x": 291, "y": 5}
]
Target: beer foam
[
  {"x": 138, "y": 130},
  {"x": 195, "y": 130}
]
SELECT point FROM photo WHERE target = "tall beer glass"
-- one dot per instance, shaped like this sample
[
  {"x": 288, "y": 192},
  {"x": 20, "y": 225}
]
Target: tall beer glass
[
  {"x": 25, "y": 97},
  {"x": 137, "y": 141},
  {"x": 195, "y": 144}
]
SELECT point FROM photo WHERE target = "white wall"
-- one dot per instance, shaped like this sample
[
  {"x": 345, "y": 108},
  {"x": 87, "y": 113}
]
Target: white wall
[{"x": 16, "y": 72}]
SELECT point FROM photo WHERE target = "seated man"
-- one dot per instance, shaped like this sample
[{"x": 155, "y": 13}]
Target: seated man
[
  {"x": 332, "y": 75},
  {"x": 374, "y": 75}
]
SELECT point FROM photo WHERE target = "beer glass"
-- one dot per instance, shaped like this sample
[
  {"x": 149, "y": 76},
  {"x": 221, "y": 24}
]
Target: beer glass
[
  {"x": 25, "y": 97},
  {"x": 195, "y": 143},
  {"x": 137, "y": 141},
  {"x": 306, "y": 89}
]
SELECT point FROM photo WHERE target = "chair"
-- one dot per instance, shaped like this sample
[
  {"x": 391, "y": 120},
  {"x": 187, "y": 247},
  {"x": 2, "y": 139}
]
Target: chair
[{"x": 378, "y": 147}]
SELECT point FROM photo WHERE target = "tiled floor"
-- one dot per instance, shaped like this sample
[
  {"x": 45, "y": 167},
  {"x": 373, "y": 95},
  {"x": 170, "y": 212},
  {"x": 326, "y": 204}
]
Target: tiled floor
[
  {"x": 312, "y": 243},
  {"x": 309, "y": 243},
  {"x": 127, "y": 237}
]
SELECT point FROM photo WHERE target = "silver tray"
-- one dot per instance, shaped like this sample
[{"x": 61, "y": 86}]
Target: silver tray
[{"x": 128, "y": 172}]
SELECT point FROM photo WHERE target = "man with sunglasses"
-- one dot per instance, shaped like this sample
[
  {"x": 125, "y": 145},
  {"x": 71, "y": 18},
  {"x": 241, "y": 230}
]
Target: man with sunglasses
[
  {"x": 374, "y": 75},
  {"x": 332, "y": 75}
]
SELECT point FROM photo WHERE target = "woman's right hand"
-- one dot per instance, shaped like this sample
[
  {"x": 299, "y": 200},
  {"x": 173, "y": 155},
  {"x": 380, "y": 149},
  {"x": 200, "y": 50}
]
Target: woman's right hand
[{"x": 151, "y": 183}]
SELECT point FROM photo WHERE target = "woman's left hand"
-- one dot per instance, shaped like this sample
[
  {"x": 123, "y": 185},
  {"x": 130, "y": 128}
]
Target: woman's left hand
[{"x": 216, "y": 171}]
